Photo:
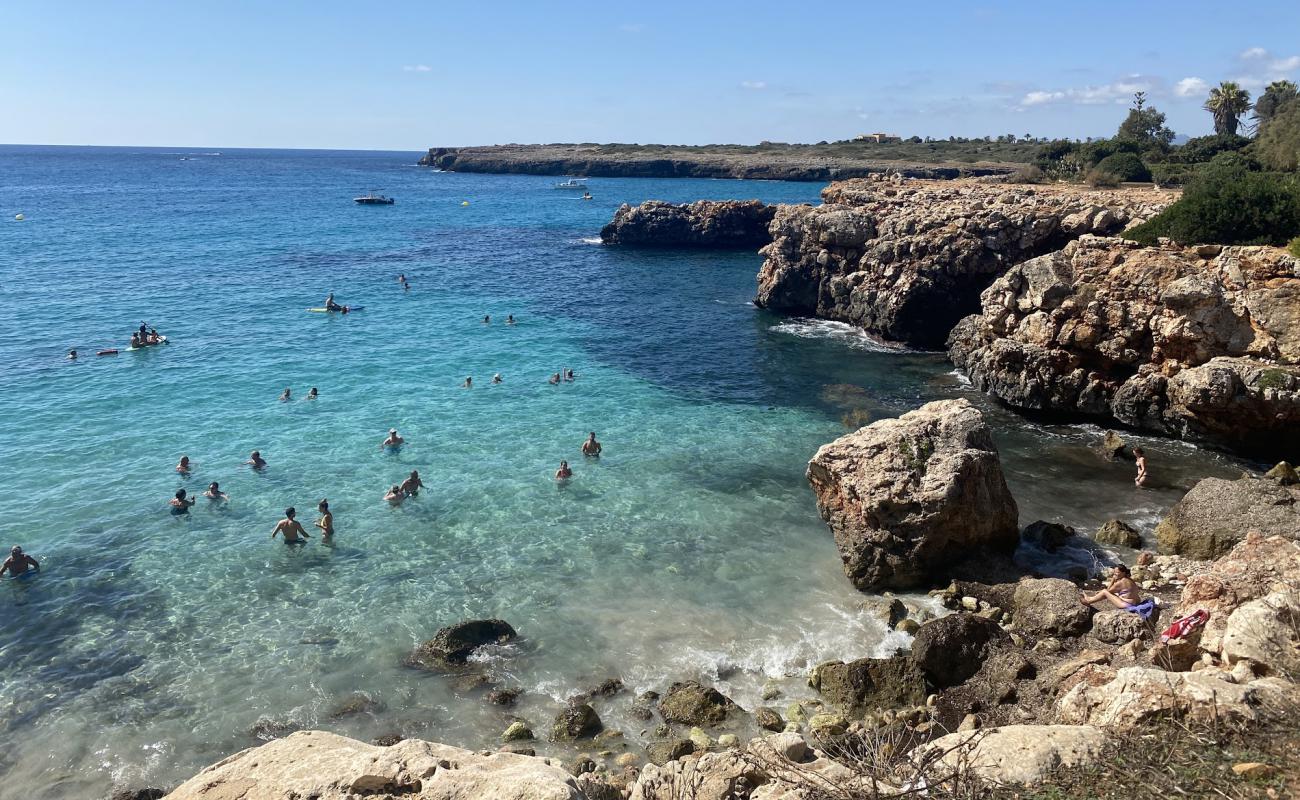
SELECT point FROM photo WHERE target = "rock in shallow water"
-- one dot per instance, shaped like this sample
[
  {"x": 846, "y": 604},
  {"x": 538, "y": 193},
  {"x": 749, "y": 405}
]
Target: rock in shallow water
[
  {"x": 451, "y": 647},
  {"x": 576, "y": 721},
  {"x": 689, "y": 703}
]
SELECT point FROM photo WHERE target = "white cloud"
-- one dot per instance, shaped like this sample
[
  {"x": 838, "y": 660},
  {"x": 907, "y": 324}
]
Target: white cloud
[
  {"x": 1286, "y": 64},
  {"x": 1041, "y": 98},
  {"x": 1120, "y": 92},
  {"x": 417, "y": 68},
  {"x": 1191, "y": 87},
  {"x": 753, "y": 84},
  {"x": 1253, "y": 53}
]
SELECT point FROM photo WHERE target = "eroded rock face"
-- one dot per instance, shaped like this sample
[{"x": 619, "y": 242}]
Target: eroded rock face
[
  {"x": 326, "y": 766},
  {"x": 1217, "y": 514},
  {"x": 1019, "y": 754},
  {"x": 1159, "y": 338},
  {"x": 1138, "y": 694},
  {"x": 908, "y": 497},
  {"x": 1266, "y": 632},
  {"x": 906, "y": 260},
  {"x": 722, "y": 224}
]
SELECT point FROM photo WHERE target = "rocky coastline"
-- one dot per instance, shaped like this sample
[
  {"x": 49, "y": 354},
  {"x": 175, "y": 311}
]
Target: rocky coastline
[
  {"x": 599, "y": 161},
  {"x": 714, "y": 224}
]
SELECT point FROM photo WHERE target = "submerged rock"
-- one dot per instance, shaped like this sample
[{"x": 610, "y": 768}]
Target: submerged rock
[
  {"x": 723, "y": 224},
  {"x": 1216, "y": 514},
  {"x": 908, "y": 497},
  {"x": 451, "y": 647},
  {"x": 690, "y": 703},
  {"x": 1050, "y": 536}
]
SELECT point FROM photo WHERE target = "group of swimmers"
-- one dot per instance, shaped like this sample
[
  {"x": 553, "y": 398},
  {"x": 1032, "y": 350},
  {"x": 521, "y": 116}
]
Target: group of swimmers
[
  {"x": 510, "y": 319},
  {"x": 287, "y": 394}
]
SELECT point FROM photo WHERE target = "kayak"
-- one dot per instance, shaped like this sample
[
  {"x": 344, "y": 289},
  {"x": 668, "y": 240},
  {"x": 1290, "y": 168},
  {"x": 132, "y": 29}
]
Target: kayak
[
  {"x": 109, "y": 352},
  {"x": 344, "y": 310}
]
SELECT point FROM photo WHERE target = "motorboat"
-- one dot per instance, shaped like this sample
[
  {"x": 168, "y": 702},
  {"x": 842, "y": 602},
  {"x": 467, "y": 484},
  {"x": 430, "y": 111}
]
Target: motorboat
[
  {"x": 572, "y": 183},
  {"x": 374, "y": 199}
]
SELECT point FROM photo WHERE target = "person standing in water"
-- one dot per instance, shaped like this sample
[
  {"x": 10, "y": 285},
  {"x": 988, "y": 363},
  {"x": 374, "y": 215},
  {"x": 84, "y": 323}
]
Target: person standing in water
[
  {"x": 510, "y": 319},
  {"x": 313, "y": 394},
  {"x": 256, "y": 461},
  {"x": 1141, "y": 457},
  {"x": 393, "y": 441},
  {"x": 412, "y": 485},
  {"x": 591, "y": 448},
  {"x": 72, "y": 355},
  {"x": 563, "y": 473},
  {"x": 214, "y": 493},
  {"x": 326, "y": 521},
  {"x": 18, "y": 562},
  {"x": 468, "y": 384},
  {"x": 290, "y": 528},
  {"x": 180, "y": 504},
  {"x": 496, "y": 378},
  {"x": 184, "y": 466}
]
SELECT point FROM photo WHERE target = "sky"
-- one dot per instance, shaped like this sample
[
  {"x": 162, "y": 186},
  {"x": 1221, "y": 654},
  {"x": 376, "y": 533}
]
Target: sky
[{"x": 404, "y": 75}]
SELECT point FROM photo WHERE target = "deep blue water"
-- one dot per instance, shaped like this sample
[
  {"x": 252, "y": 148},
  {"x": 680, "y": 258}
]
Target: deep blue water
[{"x": 152, "y": 644}]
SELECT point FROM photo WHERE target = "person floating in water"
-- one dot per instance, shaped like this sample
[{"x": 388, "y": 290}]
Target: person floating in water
[
  {"x": 393, "y": 441},
  {"x": 72, "y": 355},
  {"x": 184, "y": 466},
  {"x": 180, "y": 503},
  {"x": 326, "y": 521},
  {"x": 406, "y": 286},
  {"x": 330, "y": 305},
  {"x": 487, "y": 319},
  {"x": 394, "y": 495},
  {"x": 1141, "y": 457},
  {"x": 563, "y": 473},
  {"x": 510, "y": 319},
  {"x": 496, "y": 378},
  {"x": 313, "y": 394},
  {"x": 555, "y": 378},
  {"x": 468, "y": 384},
  {"x": 290, "y": 528},
  {"x": 255, "y": 460},
  {"x": 214, "y": 492},
  {"x": 286, "y": 395},
  {"x": 591, "y": 447},
  {"x": 18, "y": 562},
  {"x": 1121, "y": 592},
  {"x": 412, "y": 485}
]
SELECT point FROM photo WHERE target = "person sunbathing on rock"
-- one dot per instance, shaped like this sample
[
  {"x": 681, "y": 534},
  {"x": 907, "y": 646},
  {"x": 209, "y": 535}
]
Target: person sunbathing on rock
[{"x": 1122, "y": 592}]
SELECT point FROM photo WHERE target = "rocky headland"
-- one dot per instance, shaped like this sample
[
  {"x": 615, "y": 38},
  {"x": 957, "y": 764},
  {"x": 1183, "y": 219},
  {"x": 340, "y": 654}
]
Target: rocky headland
[
  {"x": 716, "y": 224},
  {"x": 789, "y": 163}
]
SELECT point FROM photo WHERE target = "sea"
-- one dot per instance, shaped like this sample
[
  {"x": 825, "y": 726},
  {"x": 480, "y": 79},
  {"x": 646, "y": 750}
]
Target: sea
[{"x": 153, "y": 643}]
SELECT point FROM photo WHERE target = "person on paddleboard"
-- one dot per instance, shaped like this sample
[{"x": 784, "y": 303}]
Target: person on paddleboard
[{"x": 330, "y": 305}]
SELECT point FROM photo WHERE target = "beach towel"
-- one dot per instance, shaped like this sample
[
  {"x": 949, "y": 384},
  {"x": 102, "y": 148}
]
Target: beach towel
[
  {"x": 1143, "y": 609},
  {"x": 1185, "y": 626}
]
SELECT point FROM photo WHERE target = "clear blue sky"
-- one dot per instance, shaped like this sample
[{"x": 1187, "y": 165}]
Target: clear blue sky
[{"x": 407, "y": 75}]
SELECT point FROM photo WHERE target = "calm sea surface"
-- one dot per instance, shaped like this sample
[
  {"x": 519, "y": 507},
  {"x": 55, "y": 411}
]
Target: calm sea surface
[{"x": 152, "y": 644}]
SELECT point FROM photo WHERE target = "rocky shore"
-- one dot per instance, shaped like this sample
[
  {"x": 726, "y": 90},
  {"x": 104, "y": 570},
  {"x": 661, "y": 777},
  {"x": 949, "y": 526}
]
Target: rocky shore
[
  {"x": 724, "y": 224},
  {"x": 630, "y": 161}
]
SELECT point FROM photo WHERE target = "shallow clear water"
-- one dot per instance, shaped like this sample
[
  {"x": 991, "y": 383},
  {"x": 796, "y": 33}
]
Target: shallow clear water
[{"x": 152, "y": 644}]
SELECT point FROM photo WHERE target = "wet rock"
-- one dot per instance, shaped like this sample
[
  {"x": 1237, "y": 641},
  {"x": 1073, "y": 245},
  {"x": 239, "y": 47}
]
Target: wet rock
[
  {"x": 267, "y": 728},
  {"x": 951, "y": 649},
  {"x": 690, "y": 703},
  {"x": 1113, "y": 446},
  {"x": 906, "y": 498},
  {"x": 356, "y": 703},
  {"x": 1216, "y": 514},
  {"x": 669, "y": 750},
  {"x": 824, "y": 726},
  {"x": 576, "y": 721},
  {"x": 701, "y": 740},
  {"x": 768, "y": 719},
  {"x": 145, "y": 793},
  {"x": 908, "y": 626},
  {"x": 1050, "y": 607},
  {"x": 1117, "y": 533},
  {"x": 888, "y": 610},
  {"x": 608, "y": 688},
  {"x": 504, "y": 697},
  {"x": 596, "y": 788},
  {"x": 728, "y": 740},
  {"x": 1050, "y": 536},
  {"x": 724, "y": 224},
  {"x": 518, "y": 731},
  {"x": 1284, "y": 474},
  {"x": 387, "y": 740},
  {"x": 451, "y": 647},
  {"x": 868, "y": 683}
]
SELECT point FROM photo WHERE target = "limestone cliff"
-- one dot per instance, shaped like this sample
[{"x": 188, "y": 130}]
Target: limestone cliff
[
  {"x": 907, "y": 259},
  {"x": 1201, "y": 343},
  {"x": 720, "y": 224}
]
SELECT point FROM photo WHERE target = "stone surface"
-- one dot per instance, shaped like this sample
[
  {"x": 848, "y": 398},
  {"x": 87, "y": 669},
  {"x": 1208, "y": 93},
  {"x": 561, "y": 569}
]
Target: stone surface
[
  {"x": 1138, "y": 694},
  {"x": 1114, "y": 626},
  {"x": 1155, "y": 337},
  {"x": 517, "y": 732},
  {"x": 661, "y": 752},
  {"x": 1256, "y": 567},
  {"x": 1118, "y": 533},
  {"x": 1020, "y": 754},
  {"x": 713, "y": 776},
  {"x": 1216, "y": 514},
  {"x": 768, "y": 719},
  {"x": 951, "y": 649},
  {"x": 908, "y": 497},
  {"x": 1266, "y": 632},
  {"x": 1283, "y": 473},
  {"x": 576, "y": 721},
  {"x": 689, "y": 703},
  {"x": 1050, "y": 607},
  {"x": 906, "y": 260},
  {"x": 722, "y": 224},
  {"x": 451, "y": 647},
  {"x": 325, "y": 766},
  {"x": 1047, "y": 535},
  {"x": 858, "y": 687}
]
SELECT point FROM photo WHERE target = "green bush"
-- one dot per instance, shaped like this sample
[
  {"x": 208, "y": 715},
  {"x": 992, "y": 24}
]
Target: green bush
[
  {"x": 1125, "y": 166},
  {"x": 1169, "y": 174},
  {"x": 1204, "y": 148},
  {"x": 1226, "y": 204},
  {"x": 1294, "y": 247},
  {"x": 1099, "y": 179},
  {"x": 1279, "y": 141},
  {"x": 1029, "y": 174}
]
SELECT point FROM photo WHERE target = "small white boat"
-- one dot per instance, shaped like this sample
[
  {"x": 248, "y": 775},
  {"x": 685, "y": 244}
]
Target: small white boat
[
  {"x": 572, "y": 183},
  {"x": 373, "y": 199}
]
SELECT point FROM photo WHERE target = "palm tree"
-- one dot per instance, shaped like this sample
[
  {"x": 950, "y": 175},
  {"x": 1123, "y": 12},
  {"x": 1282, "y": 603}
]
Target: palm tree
[
  {"x": 1276, "y": 95},
  {"x": 1227, "y": 102}
]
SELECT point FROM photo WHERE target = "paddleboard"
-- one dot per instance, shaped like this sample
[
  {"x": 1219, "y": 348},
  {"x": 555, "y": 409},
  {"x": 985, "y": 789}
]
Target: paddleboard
[
  {"x": 327, "y": 311},
  {"x": 161, "y": 340}
]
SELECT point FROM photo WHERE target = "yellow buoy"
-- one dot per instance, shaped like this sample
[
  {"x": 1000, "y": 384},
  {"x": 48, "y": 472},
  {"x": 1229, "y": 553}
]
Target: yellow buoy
[
  {"x": 19, "y": 217},
  {"x": 464, "y": 202}
]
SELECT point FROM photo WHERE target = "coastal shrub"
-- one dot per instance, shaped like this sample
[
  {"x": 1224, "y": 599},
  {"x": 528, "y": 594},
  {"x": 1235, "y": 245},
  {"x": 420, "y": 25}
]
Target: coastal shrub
[
  {"x": 1029, "y": 174},
  {"x": 1228, "y": 204},
  {"x": 1171, "y": 174},
  {"x": 1100, "y": 179},
  {"x": 1279, "y": 141},
  {"x": 1125, "y": 166},
  {"x": 1294, "y": 247},
  {"x": 1203, "y": 148}
]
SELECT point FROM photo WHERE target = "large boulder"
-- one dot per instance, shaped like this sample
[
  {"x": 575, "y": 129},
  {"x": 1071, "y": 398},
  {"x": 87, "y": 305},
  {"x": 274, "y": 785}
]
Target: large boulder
[
  {"x": 1050, "y": 607},
  {"x": 451, "y": 647},
  {"x": 951, "y": 649},
  {"x": 690, "y": 703},
  {"x": 1255, "y": 568},
  {"x": 325, "y": 766},
  {"x": 1117, "y": 533},
  {"x": 1115, "y": 626},
  {"x": 738, "y": 224},
  {"x": 576, "y": 721},
  {"x": 1138, "y": 694},
  {"x": 1018, "y": 754},
  {"x": 713, "y": 776},
  {"x": 908, "y": 497},
  {"x": 1216, "y": 514},
  {"x": 862, "y": 686},
  {"x": 1266, "y": 632}
]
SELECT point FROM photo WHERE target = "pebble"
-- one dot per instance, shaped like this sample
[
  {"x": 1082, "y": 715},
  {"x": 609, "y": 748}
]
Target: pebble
[{"x": 1254, "y": 770}]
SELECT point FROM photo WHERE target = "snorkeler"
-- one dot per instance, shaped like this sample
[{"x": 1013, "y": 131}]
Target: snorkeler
[
  {"x": 290, "y": 528},
  {"x": 18, "y": 562}
]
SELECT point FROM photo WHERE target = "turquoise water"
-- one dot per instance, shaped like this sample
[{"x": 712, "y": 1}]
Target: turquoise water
[{"x": 152, "y": 644}]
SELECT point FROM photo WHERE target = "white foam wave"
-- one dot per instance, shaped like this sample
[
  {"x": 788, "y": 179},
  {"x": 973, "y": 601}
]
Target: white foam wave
[
  {"x": 843, "y": 333},
  {"x": 589, "y": 240},
  {"x": 961, "y": 378}
]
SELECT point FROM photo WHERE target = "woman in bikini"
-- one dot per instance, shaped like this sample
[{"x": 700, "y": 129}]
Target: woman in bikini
[{"x": 1122, "y": 592}]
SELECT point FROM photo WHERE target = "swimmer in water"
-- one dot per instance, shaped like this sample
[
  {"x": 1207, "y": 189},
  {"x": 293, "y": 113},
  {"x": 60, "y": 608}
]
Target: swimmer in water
[
  {"x": 496, "y": 378},
  {"x": 255, "y": 460},
  {"x": 568, "y": 375},
  {"x": 393, "y": 441},
  {"x": 1141, "y": 457},
  {"x": 326, "y": 521},
  {"x": 555, "y": 379},
  {"x": 406, "y": 287},
  {"x": 563, "y": 473},
  {"x": 180, "y": 504},
  {"x": 290, "y": 528},
  {"x": 286, "y": 395},
  {"x": 313, "y": 394},
  {"x": 468, "y": 384},
  {"x": 401, "y": 278},
  {"x": 72, "y": 355},
  {"x": 487, "y": 319},
  {"x": 184, "y": 466},
  {"x": 394, "y": 496},
  {"x": 510, "y": 319},
  {"x": 154, "y": 338},
  {"x": 214, "y": 493},
  {"x": 18, "y": 562},
  {"x": 591, "y": 447},
  {"x": 412, "y": 485}
]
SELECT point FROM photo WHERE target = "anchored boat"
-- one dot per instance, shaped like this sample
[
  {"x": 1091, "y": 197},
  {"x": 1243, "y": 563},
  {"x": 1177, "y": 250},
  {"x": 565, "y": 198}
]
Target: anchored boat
[{"x": 373, "y": 198}]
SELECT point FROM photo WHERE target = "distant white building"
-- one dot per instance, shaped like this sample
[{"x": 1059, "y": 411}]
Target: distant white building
[{"x": 878, "y": 138}]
